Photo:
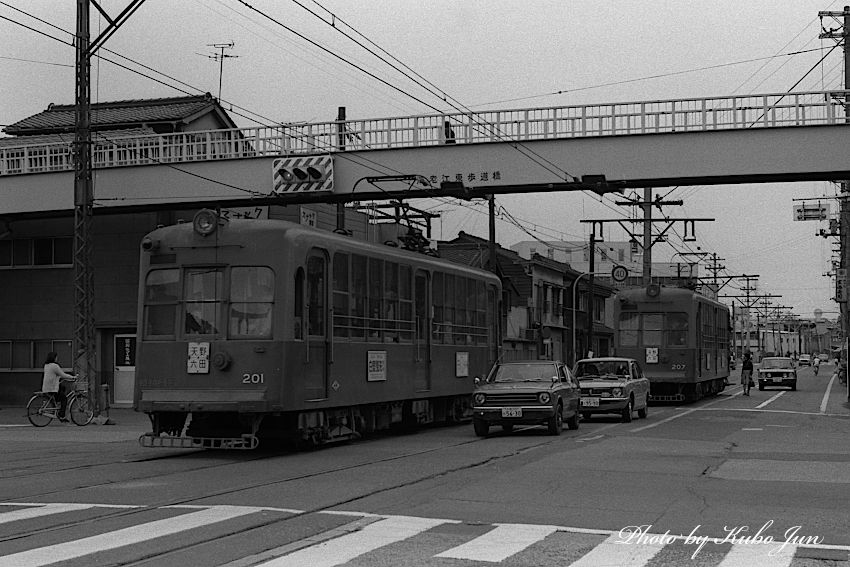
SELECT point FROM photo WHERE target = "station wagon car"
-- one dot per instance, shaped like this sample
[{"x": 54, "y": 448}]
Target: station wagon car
[
  {"x": 612, "y": 385},
  {"x": 528, "y": 392},
  {"x": 777, "y": 371}
]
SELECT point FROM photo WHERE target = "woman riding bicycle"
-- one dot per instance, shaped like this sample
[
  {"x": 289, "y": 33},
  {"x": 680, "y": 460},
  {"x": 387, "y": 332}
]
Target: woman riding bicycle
[{"x": 51, "y": 384}]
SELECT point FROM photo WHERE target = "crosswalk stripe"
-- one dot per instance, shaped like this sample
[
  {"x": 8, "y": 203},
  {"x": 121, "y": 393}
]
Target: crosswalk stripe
[
  {"x": 345, "y": 548},
  {"x": 613, "y": 551},
  {"x": 43, "y": 510},
  {"x": 135, "y": 534},
  {"x": 500, "y": 543},
  {"x": 759, "y": 555}
]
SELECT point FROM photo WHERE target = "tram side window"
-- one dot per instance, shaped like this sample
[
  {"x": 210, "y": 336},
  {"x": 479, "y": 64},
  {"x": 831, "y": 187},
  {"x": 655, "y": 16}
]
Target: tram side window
[
  {"x": 202, "y": 295},
  {"x": 251, "y": 300},
  {"x": 358, "y": 296},
  {"x": 316, "y": 296},
  {"x": 480, "y": 333},
  {"x": 391, "y": 309},
  {"x": 405, "y": 303},
  {"x": 161, "y": 290},
  {"x": 629, "y": 329},
  {"x": 298, "y": 305},
  {"x": 449, "y": 308},
  {"x": 437, "y": 293},
  {"x": 676, "y": 329},
  {"x": 340, "y": 297},
  {"x": 376, "y": 290}
]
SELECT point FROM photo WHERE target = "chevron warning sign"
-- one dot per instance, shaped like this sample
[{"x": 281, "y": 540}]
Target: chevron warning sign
[{"x": 302, "y": 174}]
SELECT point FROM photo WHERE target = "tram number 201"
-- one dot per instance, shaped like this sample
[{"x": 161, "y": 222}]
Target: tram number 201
[
  {"x": 678, "y": 367},
  {"x": 253, "y": 378}
]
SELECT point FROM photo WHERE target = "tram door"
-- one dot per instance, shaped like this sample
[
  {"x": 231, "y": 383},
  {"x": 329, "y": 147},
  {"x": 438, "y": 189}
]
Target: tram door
[
  {"x": 316, "y": 371},
  {"x": 421, "y": 306}
]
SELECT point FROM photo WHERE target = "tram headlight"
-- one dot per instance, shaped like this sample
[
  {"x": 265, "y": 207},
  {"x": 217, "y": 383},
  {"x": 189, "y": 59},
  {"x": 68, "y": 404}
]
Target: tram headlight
[
  {"x": 479, "y": 399},
  {"x": 205, "y": 222},
  {"x": 616, "y": 392},
  {"x": 543, "y": 397}
]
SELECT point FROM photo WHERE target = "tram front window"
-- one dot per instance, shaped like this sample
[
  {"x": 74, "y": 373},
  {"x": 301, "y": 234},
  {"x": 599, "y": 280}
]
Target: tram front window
[
  {"x": 251, "y": 299},
  {"x": 202, "y": 292}
]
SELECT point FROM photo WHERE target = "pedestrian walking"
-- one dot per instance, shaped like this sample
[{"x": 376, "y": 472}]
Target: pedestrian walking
[{"x": 747, "y": 373}]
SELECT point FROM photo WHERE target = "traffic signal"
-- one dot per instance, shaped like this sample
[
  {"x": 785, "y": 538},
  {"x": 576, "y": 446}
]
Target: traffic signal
[{"x": 303, "y": 174}]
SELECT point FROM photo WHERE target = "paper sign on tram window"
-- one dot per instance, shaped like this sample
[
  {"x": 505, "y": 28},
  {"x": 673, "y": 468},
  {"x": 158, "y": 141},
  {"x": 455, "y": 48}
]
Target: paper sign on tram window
[
  {"x": 376, "y": 365},
  {"x": 198, "y": 359},
  {"x": 652, "y": 355},
  {"x": 461, "y": 364}
]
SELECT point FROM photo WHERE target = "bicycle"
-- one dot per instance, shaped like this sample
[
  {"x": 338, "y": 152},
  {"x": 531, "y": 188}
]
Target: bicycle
[{"x": 43, "y": 408}]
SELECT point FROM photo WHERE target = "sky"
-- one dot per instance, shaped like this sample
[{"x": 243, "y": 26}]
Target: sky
[{"x": 290, "y": 62}]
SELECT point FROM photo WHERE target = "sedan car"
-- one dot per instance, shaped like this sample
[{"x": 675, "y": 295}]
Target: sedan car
[
  {"x": 805, "y": 360},
  {"x": 777, "y": 371},
  {"x": 528, "y": 392},
  {"x": 612, "y": 385}
]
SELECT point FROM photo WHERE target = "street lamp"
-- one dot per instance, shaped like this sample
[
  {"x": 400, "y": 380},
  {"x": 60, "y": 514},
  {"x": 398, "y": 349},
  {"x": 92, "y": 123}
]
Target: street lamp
[{"x": 590, "y": 306}]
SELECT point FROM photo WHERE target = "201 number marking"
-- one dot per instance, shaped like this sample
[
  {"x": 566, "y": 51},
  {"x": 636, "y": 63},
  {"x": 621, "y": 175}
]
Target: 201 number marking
[{"x": 248, "y": 378}]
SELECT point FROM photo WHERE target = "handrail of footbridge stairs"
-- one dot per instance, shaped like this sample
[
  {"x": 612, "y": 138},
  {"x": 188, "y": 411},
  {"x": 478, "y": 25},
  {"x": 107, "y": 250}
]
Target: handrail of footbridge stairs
[{"x": 116, "y": 149}]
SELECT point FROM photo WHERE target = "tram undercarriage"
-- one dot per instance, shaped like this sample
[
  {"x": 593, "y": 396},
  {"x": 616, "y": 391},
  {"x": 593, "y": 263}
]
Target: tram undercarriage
[
  {"x": 685, "y": 392},
  {"x": 233, "y": 430}
]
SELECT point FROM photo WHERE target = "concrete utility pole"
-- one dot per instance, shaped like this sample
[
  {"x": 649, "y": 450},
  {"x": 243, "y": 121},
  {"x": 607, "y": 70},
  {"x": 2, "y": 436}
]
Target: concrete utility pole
[
  {"x": 83, "y": 345},
  {"x": 649, "y": 240},
  {"x": 841, "y": 34}
]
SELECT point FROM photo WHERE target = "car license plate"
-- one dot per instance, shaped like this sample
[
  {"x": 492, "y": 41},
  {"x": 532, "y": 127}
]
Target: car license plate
[
  {"x": 511, "y": 412},
  {"x": 590, "y": 402},
  {"x": 777, "y": 379}
]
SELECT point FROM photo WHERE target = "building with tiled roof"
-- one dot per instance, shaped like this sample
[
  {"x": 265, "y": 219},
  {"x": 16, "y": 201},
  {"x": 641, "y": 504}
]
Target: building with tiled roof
[{"x": 158, "y": 116}]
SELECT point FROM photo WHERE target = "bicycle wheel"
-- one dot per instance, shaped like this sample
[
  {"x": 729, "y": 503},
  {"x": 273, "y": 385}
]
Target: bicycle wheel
[
  {"x": 41, "y": 410},
  {"x": 81, "y": 409}
]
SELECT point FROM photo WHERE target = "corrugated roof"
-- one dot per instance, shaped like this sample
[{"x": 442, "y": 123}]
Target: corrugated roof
[{"x": 60, "y": 118}]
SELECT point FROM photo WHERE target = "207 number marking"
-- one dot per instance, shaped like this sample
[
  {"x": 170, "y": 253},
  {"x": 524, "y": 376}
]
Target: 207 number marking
[{"x": 678, "y": 367}]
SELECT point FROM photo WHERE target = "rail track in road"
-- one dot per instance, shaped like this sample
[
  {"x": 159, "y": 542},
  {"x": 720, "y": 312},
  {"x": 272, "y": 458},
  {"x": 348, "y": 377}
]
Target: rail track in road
[{"x": 235, "y": 489}]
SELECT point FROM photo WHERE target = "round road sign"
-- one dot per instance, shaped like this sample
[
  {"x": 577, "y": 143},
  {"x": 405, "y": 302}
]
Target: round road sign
[{"x": 619, "y": 273}]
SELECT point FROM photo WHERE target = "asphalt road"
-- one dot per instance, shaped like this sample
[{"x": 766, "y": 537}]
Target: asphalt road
[{"x": 700, "y": 484}]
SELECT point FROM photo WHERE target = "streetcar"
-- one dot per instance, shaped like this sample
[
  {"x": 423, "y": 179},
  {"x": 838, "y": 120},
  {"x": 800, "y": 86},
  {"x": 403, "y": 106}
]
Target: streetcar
[
  {"x": 255, "y": 330},
  {"x": 680, "y": 337}
]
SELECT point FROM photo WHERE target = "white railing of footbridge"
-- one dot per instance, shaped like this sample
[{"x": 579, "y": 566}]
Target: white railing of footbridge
[{"x": 614, "y": 119}]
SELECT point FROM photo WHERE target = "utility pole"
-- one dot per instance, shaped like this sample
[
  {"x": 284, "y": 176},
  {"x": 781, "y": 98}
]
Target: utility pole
[
  {"x": 591, "y": 268},
  {"x": 647, "y": 221},
  {"x": 83, "y": 344},
  {"x": 84, "y": 337},
  {"x": 841, "y": 34},
  {"x": 220, "y": 57}
]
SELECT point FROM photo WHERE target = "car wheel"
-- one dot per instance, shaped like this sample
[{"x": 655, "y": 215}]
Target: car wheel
[
  {"x": 627, "y": 412},
  {"x": 556, "y": 422},
  {"x": 572, "y": 423},
  {"x": 507, "y": 427},
  {"x": 481, "y": 427},
  {"x": 586, "y": 415},
  {"x": 794, "y": 387},
  {"x": 761, "y": 386},
  {"x": 644, "y": 411}
]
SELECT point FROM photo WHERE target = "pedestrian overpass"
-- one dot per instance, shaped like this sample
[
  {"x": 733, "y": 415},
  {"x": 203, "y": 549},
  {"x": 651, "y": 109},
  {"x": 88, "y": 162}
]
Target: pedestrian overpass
[{"x": 699, "y": 141}]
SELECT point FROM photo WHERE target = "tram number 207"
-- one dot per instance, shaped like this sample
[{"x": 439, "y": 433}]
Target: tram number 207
[
  {"x": 253, "y": 378},
  {"x": 675, "y": 367}
]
